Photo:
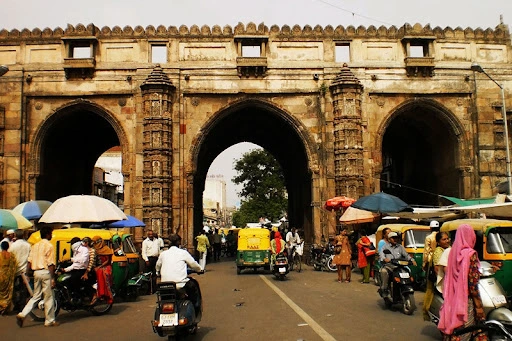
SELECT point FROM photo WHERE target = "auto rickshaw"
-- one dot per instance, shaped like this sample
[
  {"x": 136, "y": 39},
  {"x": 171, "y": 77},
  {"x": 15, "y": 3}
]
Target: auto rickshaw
[
  {"x": 493, "y": 244},
  {"x": 253, "y": 249},
  {"x": 63, "y": 252},
  {"x": 412, "y": 237}
]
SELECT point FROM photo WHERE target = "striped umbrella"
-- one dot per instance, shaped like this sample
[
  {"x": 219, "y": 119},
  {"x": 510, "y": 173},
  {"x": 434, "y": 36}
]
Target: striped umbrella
[
  {"x": 12, "y": 220},
  {"x": 32, "y": 209}
]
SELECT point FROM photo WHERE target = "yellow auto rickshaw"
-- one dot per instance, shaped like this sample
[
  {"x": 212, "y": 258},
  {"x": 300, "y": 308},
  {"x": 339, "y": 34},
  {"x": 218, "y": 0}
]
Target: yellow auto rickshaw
[
  {"x": 253, "y": 249},
  {"x": 412, "y": 237},
  {"x": 60, "y": 241},
  {"x": 493, "y": 244}
]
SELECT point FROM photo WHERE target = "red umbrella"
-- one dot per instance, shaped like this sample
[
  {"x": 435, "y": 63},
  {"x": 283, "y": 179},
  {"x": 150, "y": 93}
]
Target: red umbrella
[{"x": 337, "y": 203}]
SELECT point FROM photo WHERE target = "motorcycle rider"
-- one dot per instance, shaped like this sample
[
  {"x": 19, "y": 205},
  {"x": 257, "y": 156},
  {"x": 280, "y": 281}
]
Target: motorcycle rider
[
  {"x": 80, "y": 261},
  {"x": 396, "y": 251}
]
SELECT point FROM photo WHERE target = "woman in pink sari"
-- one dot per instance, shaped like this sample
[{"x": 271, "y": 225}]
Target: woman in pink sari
[
  {"x": 103, "y": 270},
  {"x": 462, "y": 303}
]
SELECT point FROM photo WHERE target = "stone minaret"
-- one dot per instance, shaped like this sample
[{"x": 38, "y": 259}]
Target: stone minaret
[
  {"x": 157, "y": 94},
  {"x": 346, "y": 92}
]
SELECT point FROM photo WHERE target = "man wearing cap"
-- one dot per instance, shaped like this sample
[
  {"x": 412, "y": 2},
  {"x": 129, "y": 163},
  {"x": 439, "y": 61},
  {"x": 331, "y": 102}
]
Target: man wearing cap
[
  {"x": 430, "y": 245},
  {"x": 10, "y": 237},
  {"x": 80, "y": 260},
  {"x": 392, "y": 250}
]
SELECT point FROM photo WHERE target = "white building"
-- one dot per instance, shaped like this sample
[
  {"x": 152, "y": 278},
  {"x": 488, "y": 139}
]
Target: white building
[{"x": 215, "y": 190}]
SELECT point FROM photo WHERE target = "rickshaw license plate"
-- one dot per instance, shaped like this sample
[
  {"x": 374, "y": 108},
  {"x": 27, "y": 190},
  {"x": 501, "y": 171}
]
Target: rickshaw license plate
[
  {"x": 282, "y": 270},
  {"x": 168, "y": 320},
  {"x": 404, "y": 275},
  {"x": 500, "y": 299}
]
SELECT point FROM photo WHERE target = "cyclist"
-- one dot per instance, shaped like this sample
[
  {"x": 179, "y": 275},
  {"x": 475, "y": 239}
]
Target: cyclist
[{"x": 292, "y": 240}]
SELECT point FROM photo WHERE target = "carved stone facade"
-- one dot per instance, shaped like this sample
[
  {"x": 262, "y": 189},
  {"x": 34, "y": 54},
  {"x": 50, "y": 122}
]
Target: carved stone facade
[{"x": 402, "y": 112}]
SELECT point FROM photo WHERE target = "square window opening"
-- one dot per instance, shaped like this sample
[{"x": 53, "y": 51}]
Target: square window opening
[
  {"x": 159, "y": 54},
  {"x": 81, "y": 52},
  {"x": 417, "y": 51},
  {"x": 251, "y": 51},
  {"x": 342, "y": 53}
]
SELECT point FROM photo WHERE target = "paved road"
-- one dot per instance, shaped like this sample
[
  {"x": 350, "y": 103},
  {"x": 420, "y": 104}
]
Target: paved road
[{"x": 308, "y": 306}]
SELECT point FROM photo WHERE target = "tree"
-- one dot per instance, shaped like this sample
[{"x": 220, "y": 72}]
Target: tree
[{"x": 264, "y": 188}]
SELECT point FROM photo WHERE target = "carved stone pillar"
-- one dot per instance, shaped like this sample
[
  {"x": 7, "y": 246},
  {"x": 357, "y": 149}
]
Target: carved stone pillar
[
  {"x": 346, "y": 92},
  {"x": 157, "y": 94}
]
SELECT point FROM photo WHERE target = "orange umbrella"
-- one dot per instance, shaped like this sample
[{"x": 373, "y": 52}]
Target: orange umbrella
[{"x": 337, "y": 203}]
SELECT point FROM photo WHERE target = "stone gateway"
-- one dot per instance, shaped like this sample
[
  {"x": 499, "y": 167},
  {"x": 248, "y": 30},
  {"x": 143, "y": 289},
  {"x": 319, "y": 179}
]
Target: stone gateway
[{"x": 345, "y": 111}]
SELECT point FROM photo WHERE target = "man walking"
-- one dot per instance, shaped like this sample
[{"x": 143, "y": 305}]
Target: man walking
[
  {"x": 41, "y": 260},
  {"x": 150, "y": 253},
  {"x": 217, "y": 241}
]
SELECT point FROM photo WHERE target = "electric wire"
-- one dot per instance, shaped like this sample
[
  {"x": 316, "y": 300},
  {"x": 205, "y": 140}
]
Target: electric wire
[{"x": 354, "y": 13}]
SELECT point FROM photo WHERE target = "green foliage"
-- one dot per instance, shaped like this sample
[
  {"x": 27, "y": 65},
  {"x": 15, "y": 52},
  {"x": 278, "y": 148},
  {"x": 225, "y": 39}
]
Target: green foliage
[{"x": 264, "y": 189}]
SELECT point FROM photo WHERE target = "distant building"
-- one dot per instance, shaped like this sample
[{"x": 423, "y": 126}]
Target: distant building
[{"x": 214, "y": 201}]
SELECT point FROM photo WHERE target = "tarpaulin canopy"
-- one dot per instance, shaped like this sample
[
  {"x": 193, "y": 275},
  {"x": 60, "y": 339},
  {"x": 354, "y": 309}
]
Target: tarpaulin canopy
[{"x": 469, "y": 202}]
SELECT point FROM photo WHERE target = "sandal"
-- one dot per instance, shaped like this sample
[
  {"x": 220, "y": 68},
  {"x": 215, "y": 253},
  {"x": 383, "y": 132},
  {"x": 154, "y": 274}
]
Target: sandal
[{"x": 347, "y": 281}]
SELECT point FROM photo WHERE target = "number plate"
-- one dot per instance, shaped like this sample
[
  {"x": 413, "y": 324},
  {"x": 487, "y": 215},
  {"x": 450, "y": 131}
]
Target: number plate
[
  {"x": 404, "y": 275},
  {"x": 168, "y": 320},
  {"x": 500, "y": 299},
  {"x": 282, "y": 269}
]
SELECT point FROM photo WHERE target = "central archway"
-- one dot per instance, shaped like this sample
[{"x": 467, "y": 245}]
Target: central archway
[{"x": 273, "y": 129}]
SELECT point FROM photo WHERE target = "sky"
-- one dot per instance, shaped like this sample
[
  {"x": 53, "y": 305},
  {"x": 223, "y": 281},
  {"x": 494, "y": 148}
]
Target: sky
[{"x": 20, "y": 14}]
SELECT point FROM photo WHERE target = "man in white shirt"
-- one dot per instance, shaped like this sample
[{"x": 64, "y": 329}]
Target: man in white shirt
[
  {"x": 80, "y": 261},
  {"x": 172, "y": 263},
  {"x": 21, "y": 249},
  {"x": 150, "y": 252},
  {"x": 292, "y": 240},
  {"x": 10, "y": 237}
]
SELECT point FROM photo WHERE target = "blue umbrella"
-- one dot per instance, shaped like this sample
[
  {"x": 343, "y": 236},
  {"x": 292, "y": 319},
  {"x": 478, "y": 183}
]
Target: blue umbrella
[
  {"x": 130, "y": 222},
  {"x": 32, "y": 209},
  {"x": 381, "y": 203}
]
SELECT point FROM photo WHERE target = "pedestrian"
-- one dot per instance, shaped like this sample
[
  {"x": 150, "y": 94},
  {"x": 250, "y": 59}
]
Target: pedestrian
[
  {"x": 160, "y": 241},
  {"x": 8, "y": 267},
  {"x": 343, "y": 255},
  {"x": 202, "y": 246},
  {"x": 103, "y": 269},
  {"x": 462, "y": 305},
  {"x": 150, "y": 253},
  {"x": 365, "y": 255},
  {"x": 41, "y": 261},
  {"x": 217, "y": 242},
  {"x": 10, "y": 237},
  {"x": 429, "y": 246},
  {"x": 20, "y": 249},
  {"x": 436, "y": 274}
]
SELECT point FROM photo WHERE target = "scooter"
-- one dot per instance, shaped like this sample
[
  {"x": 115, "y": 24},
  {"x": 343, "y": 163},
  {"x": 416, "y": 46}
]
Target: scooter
[
  {"x": 322, "y": 258},
  {"x": 280, "y": 267},
  {"x": 400, "y": 287},
  {"x": 178, "y": 311},
  {"x": 494, "y": 301},
  {"x": 496, "y": 331}
]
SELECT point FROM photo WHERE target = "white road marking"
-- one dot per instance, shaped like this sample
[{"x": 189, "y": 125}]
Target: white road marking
[{"x": 308, "y": 319}]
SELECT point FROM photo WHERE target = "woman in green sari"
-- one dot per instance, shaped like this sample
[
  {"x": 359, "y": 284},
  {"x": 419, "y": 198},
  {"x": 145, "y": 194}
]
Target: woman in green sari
[{"x": 7, "y": 274}]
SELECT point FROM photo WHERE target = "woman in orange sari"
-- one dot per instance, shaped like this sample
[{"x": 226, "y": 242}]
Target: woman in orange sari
[
  {"x": 7, "y": 273},
  {"x": 343, "y": 255},
  {"x": 103, "y": 270}
]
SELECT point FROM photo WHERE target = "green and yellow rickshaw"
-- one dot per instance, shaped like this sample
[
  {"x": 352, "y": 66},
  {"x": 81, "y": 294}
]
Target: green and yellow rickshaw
[{"x": 253, "y": 249}]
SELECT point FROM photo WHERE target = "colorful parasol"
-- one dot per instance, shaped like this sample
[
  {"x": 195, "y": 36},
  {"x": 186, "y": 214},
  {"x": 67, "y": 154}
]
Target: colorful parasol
[
  {"x": 13, "y": 220},
  {"x": 32, "y": 209},
  {"x": 337, "y": 203}
]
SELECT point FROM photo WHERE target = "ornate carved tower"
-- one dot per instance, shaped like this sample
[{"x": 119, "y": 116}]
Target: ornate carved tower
[
  {"x": 157, "y": 94},
  {"x": 346, "y": 92}
]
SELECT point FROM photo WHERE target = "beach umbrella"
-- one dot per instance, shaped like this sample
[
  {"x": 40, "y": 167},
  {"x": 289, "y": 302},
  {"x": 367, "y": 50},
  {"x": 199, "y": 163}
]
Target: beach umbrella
[
  {"x": 13, "y": 220},
  {"x": 32, "y": 209},
  {"x": 354, "y": 215},
  {"x": 82, "y": 209},
  {"x": 337, "y": 203},
  {"x": 381, "y": 203}
]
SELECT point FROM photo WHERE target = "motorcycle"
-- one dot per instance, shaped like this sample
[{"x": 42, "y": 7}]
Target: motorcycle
[
  {"x": 280, "y": 267},
  {"x": 178, "y": 311},
  {"x": 400, "y": 287},
  {"x": 494, "y": 300},
  {"x": 322, "y": 258},
  {"x": 496, "y": 331},
  {"x": 22, "y": 291},
  {"x": 72, "y": 299},
  {"x": 139, "y": 285}
]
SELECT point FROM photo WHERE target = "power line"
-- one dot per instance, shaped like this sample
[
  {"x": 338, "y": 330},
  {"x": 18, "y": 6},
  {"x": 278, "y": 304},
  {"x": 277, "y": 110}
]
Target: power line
[{"x": 354, "y": 13}]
